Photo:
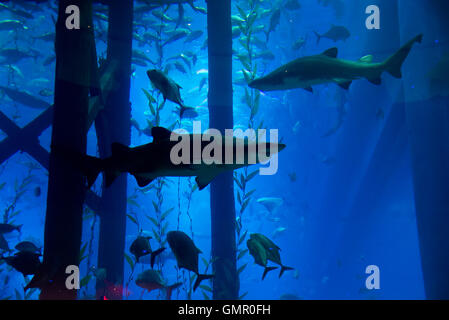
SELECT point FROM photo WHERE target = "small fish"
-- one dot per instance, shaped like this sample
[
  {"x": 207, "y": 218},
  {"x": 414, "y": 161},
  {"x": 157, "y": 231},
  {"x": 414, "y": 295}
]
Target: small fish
[
  {"x": 271, "y": 251},
  {"x": 299, "y": 43},
  {"x": 170, "y": 90},
  {"x": 25, "y": 262},
  {"x": 46, "y": 92},
  {"x": 193, "y": 36},
  {"x": 278, "y": 231},
  {"x": 335, "y": 33},
  {"x": 8, "y": 228},
  {"x": 49, "y": 60},
  {"x": 49, "y": 36},
  {"x": 289, "y": 296},
  {"x": 177, "y": 36},
  {"x": 13, "y": 55},
  {"x": 152, "y": 280},
  {"x": 270, "y": 203},
  {"x": 180, "y": 67},
  {"x": 258, "y": 252},
  {"x": 6, "y": 25},
  {"x": 292, "y": 176},
  {"x": 27, "y": 246},
  {"x": 274, "y": 22},
  {"x": 25, "y": 98},
  {"x": 141, "y": 247},
  {"x": 186, "y": 254},
  {"x": 265, "y": 55}
]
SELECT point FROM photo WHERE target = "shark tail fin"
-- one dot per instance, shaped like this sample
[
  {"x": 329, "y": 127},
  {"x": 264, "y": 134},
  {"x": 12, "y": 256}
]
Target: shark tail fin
[
  {"x": 89, "y": 166},
  {"x": 154, "y": 254},
  {"x": 318, "y": 37},
  {"x": 267, "y": 269},
  {"x": 171, "y": 288},
  {"x": 200, "y": 278},
  {"x": 283, "y": 269},
  {"x": 394, "y": 63}
]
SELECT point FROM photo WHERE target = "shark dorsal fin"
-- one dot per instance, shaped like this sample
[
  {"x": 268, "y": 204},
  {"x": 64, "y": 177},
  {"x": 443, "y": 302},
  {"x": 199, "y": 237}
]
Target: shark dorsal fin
[
  {"x": 332, "y": 52},
  {"x": 160, "y": 133},
  {"x": 366, "y": 59}
]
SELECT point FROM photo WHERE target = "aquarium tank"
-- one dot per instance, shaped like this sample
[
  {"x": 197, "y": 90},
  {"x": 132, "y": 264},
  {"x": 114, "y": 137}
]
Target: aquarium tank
[{"x": 224, "y": 150}]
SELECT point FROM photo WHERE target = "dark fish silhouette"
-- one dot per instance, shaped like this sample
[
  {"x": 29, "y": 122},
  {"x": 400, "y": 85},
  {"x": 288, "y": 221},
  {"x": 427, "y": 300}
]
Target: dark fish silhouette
[
  {"x": 186, "y": 254},
  {"x": 141, "y": 247}
]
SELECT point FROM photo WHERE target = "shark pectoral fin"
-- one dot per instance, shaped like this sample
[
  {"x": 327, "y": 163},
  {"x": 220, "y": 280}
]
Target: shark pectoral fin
[
  {"x": 110, "y": 176},
  {"x": 345, "y": 85},
  {"x": 375, "y": 80},
  {"x": 142, "y": 181},
  {"x": 332, "y": 52},
  {"x": 310, "y": 89},
  {"x": 160, "y": 133},
  {"x": 203, "y": 180}
]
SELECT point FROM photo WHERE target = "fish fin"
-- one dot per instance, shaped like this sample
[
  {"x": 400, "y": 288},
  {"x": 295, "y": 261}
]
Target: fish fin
[
  {"x": 375, "y": 80},
  {"x": 318, "y": 37},
  {"x": 171, "y": 288},
  {"x": 89, "y": 166},
  {"x": 110, "y": 177},
  {"x": 309, "y": 89},
  {"x": 142, "y": 181},
  {"x": 154, "y": 254},
  {"x": 345, "y": 85},
  {"x": 366, "y": 59},
  {"x": 394, "y": 63},
  {"x": 160, "y": 133},
  {"x": 283, "y": 269},
  {"x": 332, "y": 52},
  {"x": 200, "y": 278},
  {"x": 204, "y": 180},
  {"x": 267, "y": 269}
]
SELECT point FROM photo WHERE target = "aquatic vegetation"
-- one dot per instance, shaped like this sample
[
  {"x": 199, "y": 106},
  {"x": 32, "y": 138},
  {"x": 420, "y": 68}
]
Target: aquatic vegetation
[{"x": 308, "y": 209}]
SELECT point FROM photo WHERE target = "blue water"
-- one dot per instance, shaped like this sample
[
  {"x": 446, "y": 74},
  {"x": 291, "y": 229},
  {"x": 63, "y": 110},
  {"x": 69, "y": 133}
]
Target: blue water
[{"x": 347, "y": 198}]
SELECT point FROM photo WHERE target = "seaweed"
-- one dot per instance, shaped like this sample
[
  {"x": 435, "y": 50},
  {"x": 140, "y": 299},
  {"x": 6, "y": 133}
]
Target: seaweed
[{"x": 247, "y": 22}]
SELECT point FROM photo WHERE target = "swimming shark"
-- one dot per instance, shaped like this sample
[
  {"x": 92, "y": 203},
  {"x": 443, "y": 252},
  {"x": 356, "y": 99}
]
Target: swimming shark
[
  {"x": 323, "y": 68},
  {"x": 153, "y": 160}
]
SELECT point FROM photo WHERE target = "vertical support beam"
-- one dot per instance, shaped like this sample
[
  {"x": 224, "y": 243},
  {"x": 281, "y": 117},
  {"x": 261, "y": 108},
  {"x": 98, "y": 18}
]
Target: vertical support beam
[
  {"x": 226, "y": 283},
  {"x": 113, "y": 125},
  {"x": 66, "y": 190},
  {"x": 428, "y": 127}
]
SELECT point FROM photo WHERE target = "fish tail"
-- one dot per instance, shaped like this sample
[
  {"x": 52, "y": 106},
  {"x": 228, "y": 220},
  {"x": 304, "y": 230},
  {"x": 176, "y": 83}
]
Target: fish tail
[
  {"x": 283, "y": 269},
  {"x": 89, "y": 166},
  {"x": 318, "y": 37},
  {"x": 154, "y": 254},
  {"x": 267, "y": 269},
  {"x": 19, "y": 228},
  {"x": 200, "y": 278},
  {"x": 394, "y": 63},
  {"x": 171, "y": 288}
]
